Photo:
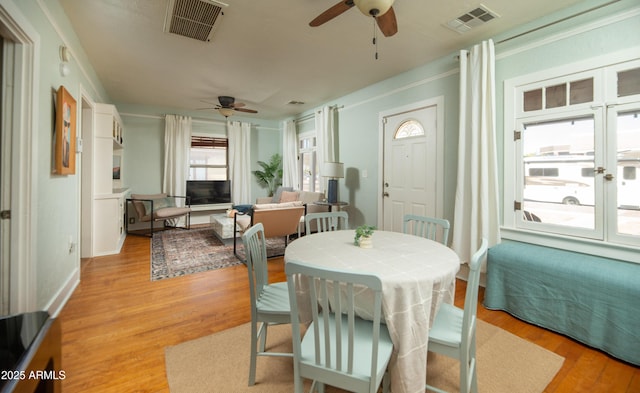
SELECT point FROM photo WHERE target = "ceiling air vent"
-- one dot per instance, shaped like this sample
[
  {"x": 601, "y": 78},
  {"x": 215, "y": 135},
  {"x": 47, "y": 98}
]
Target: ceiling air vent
[
  {"x": 195, "y": 19},
  {"x": 476, "y": 17}
]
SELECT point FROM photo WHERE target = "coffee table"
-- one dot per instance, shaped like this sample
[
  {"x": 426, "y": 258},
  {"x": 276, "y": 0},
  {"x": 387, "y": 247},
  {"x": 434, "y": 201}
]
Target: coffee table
[{"x": 222, "y": 226}]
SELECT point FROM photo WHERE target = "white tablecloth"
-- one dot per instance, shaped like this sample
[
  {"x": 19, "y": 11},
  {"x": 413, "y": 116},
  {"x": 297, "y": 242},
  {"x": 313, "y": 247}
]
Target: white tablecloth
[{"x": 417, "y": 275}]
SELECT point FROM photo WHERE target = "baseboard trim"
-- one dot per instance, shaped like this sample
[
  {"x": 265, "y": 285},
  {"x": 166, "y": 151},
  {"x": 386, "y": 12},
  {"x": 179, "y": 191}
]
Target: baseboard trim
[{"x": 62, "y": 296}]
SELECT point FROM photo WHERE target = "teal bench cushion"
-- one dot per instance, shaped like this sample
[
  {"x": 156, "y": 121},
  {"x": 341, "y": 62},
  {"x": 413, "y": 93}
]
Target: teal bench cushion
[{"x": 592, "y": 299}]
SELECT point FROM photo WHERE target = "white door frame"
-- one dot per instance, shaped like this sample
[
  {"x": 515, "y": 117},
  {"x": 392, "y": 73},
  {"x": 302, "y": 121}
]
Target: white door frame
[
  {"x": 87, "y": 129},
  {"x": 438, "y": 102},
  {"x": 23, "y": 123}
]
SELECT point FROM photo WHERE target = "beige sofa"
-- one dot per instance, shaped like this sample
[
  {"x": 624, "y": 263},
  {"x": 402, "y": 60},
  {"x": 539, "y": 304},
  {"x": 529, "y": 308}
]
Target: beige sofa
[
  {"x": 287, "y": 195},
  {"x": 281, "y": 215}
]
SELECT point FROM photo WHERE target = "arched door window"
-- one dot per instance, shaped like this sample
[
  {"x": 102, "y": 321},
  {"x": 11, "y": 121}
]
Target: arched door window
[{"x": 408, "y": 129}]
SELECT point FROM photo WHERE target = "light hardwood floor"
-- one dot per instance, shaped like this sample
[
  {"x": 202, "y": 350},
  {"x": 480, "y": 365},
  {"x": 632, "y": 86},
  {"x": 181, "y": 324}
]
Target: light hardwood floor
[{"x": 117, "y": 323}]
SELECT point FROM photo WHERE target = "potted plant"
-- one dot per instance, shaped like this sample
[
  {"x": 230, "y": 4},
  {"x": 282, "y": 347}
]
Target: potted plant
[
  {"x": 363, "y": 236},
  {"x": 271, "y": 174}
]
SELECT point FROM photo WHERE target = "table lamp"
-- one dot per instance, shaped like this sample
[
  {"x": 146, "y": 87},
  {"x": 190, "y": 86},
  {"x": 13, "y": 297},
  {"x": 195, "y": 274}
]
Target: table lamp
[{"x": 333, "y": 170}]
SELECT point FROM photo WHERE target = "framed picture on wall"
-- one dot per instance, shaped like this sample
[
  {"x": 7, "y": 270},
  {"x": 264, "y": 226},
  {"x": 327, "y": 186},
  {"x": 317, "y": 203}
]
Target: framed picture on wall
[{"x": 65, "y": 134}]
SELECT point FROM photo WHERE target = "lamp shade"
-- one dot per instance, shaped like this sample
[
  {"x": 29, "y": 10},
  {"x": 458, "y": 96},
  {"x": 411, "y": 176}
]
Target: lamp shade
[
  {"x": 373, "y": 7},
  {"x": 226, "y": 112},
  {"x": 333, "y": 169}
]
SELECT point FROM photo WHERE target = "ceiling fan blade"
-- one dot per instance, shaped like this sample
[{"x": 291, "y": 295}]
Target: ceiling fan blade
[
  {"x": 239, "y": 104},
  {"x": 388, "y": 23},
  {"x": 246, "y": 110},
  {"x": 332, "y": 12}
]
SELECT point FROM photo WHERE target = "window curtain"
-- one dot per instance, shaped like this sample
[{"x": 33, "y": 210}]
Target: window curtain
[
  {"x": 325, "y": 138},
  {"x": 177, "y": 145},
  {"x": 476, "y": 198},
  {"x": 239, "y": 135},
  {"x": 290, "y": 155}
]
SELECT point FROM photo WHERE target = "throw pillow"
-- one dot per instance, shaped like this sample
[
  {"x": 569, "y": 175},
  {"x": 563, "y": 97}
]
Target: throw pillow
[
  {"x": 246, "y": 209},
  {"x": 158, "y": 204},
  {"x": 288, "y": 196},
  {"x": 278, "y": 193}
]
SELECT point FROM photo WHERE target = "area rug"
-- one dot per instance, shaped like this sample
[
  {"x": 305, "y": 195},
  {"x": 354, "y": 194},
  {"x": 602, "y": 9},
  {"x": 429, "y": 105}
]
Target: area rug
[
  {"x": 220, "y": 363},
  {"x": 178, "y": 252}
]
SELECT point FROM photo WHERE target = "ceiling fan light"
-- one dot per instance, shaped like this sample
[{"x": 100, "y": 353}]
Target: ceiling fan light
[
  {"x": 373, "y": 7},
  {"x": 226, "y": 112}
]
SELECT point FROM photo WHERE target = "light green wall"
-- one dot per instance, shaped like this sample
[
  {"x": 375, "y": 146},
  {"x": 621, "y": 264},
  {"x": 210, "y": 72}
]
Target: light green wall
[
  {"x": 617, "y": 27},
  {"x": 57, "y": 197},
  {"x": 143, "y": 161},
  {"x": 359, "y": 133}
]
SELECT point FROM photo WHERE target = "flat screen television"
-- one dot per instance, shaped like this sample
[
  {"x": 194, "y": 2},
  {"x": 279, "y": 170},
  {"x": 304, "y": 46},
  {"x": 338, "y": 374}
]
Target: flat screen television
[{"x": 209, "y": 192}]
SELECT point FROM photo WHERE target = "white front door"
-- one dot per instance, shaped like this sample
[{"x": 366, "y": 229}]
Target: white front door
[{"x": 412, "y": 163}]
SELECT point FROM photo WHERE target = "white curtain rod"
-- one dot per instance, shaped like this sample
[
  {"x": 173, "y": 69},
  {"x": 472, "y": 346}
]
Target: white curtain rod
[
  {"x": 558, "y": 21},
  {"x": 311, "y": 115},
  {"x": 552, "y": 23}
]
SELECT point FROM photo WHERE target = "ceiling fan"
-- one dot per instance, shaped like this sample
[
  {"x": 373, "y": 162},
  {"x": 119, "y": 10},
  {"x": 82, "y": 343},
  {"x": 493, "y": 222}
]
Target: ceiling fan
[
  {"x": 381, "y": 10},
  {"x": 228, "y": 106}
]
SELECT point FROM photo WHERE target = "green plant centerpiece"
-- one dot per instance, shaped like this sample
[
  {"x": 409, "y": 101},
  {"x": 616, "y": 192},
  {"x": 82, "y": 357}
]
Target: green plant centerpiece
[
  {"x": 271, "y": 174},
  {"x": 363, "y": 236}
]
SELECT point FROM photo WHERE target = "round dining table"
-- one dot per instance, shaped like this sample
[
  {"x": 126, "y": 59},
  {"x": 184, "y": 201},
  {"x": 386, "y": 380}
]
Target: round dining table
[{"x": 417, "y": 276}]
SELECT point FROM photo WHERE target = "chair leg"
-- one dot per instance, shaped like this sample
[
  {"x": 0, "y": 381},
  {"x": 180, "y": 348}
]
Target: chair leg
[
  {"x": 474, "y": 377},
  {"x": 468, "y": 374},
  {"x": 254, "y": 353},
  {"x": 473, "y": 372},
  {"x": 262, "y": 336},
  {"x": 298, "y": 386}
]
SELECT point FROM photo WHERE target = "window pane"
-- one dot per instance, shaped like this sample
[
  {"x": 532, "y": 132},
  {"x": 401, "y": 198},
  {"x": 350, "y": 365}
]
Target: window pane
[
  {"x": 556, "y": 96},
  {"x": 204, "y": 173},
  {"x": 310, "y": 178},
  {"x": 208, "y": 158},
  {"x": 199, "y": 156},
  {"x": 558, "y": 166},
  {"x": 628, "y": 183},
  {"x": 409, "y": 128},
  {"x": 533, "y": 100},
  {"x": 552, "y": 172},
  {"x": 581, "y": 91},
  {"x": 629, "y": 82}
]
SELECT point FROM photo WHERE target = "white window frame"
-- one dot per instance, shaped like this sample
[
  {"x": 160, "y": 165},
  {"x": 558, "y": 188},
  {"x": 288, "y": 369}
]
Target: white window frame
[
  {"x": 301, "y": 151},
  {"x": 603, "y": 69},
  {"x": 225, "y": 166}
]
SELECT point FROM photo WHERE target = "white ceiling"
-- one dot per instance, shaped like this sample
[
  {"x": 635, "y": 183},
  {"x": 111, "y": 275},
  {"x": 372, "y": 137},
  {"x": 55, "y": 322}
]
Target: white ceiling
[{"x": 265, "y": 54}]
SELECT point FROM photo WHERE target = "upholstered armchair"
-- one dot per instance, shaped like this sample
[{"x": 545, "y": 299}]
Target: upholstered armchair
[
  {"x": 159, "y": 207},
  {"x": 278, "y": 219}
]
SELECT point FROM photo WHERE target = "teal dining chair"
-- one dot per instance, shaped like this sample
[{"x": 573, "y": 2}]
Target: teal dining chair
[
  {"x": 269, "y": 302},
  {"x": 338, "y": 348},
  {"x": 326, "y": 221},
  {"x": 427, "y": 227},
  {"x": 453, "y": 333}
]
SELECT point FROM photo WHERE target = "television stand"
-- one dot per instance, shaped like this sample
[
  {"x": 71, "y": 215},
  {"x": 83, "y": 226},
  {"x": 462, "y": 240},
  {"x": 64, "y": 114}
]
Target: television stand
[{"x": 217, "y": 206}]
